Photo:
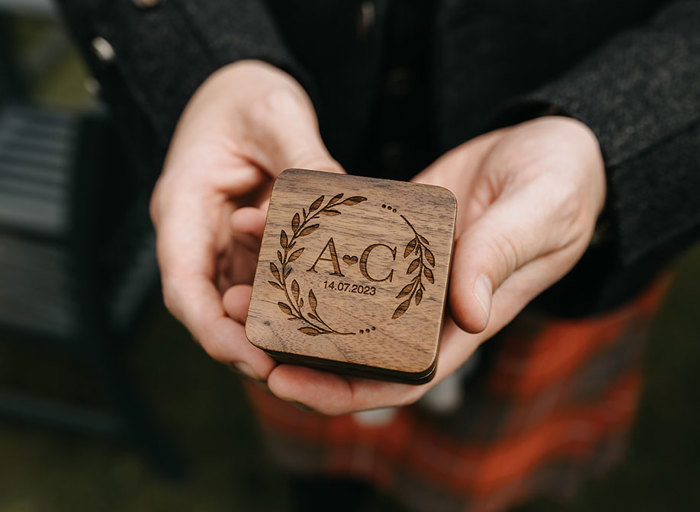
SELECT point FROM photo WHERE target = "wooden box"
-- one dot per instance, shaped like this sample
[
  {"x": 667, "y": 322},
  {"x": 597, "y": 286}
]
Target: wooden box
[{"x": 352, "y": 275}]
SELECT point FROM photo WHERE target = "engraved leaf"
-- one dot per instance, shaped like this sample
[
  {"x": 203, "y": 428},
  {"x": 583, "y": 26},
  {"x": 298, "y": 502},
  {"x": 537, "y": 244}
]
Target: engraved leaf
[
  {"x": 429, "y": 256},
  {"x": 283, "y": 239},
  {"x": 419, "y": 296},
  {"x": 295, "y": 222},
  {"x": 423, "y": 240},
  {"x": 410, "y": 247},
  {"x": 279, "y": 256},
  {"x": 295, "y": 290},
  {"x": 330, "y": 213},
  {"x": 301, "y": 303},
  {"x": 314, "y": 317},
  {"x": 276, "y": 285},
  {"x": 287, "y": 271},
  {"x": 315, "y": 205},
  {"x": 309, "y": 229},
  {"x": 295, "y": 255},
  {"x": 334, "y": 199},
  {"x": 303, "y": 210},
  {"x": 428, "y": 274},
  {"x": 309, "y": 331},
  {"x": 285, "y": 308},
  {"x": 401, "y": 309},
  {"x": 351, "y": 201},
  {"x": 413, "y": 266},
  {"x": 312, "y": 300},
  {"x": 405, "y": 290},
  {"x": 275, "y": 272}
]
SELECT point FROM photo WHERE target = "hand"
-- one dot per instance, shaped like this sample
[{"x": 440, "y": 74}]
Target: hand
[
  {"x": 528, "y": 199},
  {"x": 243, "y": 126}
]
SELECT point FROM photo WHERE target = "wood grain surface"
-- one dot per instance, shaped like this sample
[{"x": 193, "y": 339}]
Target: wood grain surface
[{"x": 352, "y": 274}]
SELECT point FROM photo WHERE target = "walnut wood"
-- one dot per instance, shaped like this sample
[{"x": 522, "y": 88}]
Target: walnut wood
[{"x": 352, "y": 274}]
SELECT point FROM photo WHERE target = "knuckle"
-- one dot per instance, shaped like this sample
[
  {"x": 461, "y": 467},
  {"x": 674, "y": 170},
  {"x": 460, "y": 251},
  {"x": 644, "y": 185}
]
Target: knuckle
[{"x": 504, "y": 253}]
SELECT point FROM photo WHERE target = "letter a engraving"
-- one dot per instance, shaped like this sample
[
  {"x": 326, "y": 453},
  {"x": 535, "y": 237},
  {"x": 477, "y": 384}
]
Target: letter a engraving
[{"x": 333, "y": 259}]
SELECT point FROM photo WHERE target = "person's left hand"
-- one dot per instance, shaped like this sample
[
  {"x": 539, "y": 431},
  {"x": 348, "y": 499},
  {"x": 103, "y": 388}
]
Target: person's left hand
[{"x": 528, "y": 200}]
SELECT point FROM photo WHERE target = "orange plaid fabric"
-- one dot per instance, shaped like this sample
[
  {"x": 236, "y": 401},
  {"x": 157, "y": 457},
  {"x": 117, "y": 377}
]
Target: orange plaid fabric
[{"x": 550, "y": 405}]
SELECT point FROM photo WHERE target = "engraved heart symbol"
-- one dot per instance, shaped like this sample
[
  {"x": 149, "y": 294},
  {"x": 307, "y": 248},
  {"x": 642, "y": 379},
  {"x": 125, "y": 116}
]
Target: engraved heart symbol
[{"x": 350, "y": 260}]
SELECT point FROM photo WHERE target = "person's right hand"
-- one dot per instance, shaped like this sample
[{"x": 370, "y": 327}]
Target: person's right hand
[{"x": 245, "y": 124}]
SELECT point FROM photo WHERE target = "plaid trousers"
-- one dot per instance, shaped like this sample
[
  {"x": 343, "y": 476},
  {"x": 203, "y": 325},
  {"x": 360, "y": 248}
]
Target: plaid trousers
[{"x": 550, "y": 404}]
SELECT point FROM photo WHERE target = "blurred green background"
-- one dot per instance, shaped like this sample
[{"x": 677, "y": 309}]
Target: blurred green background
[{"x": 202, "y": 404}]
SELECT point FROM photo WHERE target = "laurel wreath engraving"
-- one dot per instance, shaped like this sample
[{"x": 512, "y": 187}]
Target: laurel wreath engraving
[
  {"x": 293, "y": 306},
  {"x": 418, "y": 245},
  {"x": 315, "y": 325}
]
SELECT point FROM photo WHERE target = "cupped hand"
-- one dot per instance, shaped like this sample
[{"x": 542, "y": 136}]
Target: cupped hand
[
  {"x": 244, "y": 125},
  {"x": 528, "y": 200}
]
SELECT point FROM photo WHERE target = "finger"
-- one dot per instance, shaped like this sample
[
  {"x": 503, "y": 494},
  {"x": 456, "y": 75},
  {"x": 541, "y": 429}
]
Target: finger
[
  {"x": 236, "y": 301},
  {"x": 456, "y": 346},
  {"x": 333, "y": 394},
  {"x": 289, "y": 136},
  {"x": 304, "y": 149},
  {"x": 458, "y": 171},
  {"x": 321, "y": 391},
  {"x": 186, "y": 257},
  {"x": 513, "y": 231},
  {"x": 464, "y": 161},
  {"x": 228, "y": 176},
  {"x": 247, "y": 227},
  {"x": 529, "y": 281},
  {"x": 236, "y": 179},
  {"x": 197, "y": 304}
]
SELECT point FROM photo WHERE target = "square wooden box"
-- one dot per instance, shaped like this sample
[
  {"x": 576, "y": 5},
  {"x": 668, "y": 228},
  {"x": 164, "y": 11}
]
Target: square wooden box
[{"x": 352, "y": 275}]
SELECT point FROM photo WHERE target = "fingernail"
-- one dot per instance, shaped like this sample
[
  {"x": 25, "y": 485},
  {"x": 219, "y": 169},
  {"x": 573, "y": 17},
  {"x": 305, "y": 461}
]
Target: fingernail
[
  {"x": 482, "y": 292},
  {"x": 245, "y": 369}
]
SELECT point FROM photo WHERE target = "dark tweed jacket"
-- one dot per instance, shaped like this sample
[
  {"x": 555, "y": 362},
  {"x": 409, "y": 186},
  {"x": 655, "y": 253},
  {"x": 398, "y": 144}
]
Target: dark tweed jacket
[{"x": 397, "y": 83}]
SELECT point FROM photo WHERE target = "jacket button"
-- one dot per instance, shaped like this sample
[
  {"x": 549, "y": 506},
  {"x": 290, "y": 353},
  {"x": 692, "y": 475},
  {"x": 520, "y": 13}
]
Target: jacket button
[
  {"x": 102, "y": 49},
  {"x": 92, "y": 86},
  {"x": 365, "y": 19},
  {"x": 147, "y": 4}
]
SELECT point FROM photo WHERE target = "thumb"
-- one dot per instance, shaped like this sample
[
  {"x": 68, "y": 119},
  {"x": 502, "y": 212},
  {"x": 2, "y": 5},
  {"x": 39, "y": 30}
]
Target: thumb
[
  {"x": 511, "y": 232},
  {"x": 305, "y": 150},
  {"x": 290, "y": 136},
  {"x": 247, "y": 226}
]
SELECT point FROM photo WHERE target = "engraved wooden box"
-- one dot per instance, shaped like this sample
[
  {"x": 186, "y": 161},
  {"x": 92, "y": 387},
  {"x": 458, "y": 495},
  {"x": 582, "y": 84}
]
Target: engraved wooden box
[{"x": 352, "y": 275}]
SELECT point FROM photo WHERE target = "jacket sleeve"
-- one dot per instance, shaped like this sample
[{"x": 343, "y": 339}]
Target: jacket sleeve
[
  {"x": 159, "y": 55},
  {"x": 640, "y": 94}
]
